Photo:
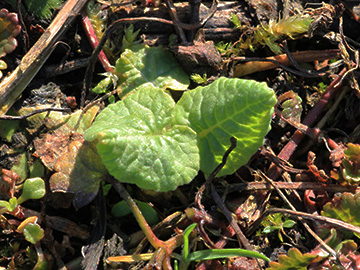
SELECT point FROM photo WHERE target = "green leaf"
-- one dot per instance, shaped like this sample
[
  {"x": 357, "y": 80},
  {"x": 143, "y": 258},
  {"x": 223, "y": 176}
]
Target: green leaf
[
  {"x": 33, "y": 188},
  {"x": 33, "y": 233},
  {"x": 269, "y": 229},
  {"x": 289, "y": 223},
  {"x": 224, "y": 109},
  {"x": 212, "y": 254},
  {"x": 345, "y": 208},
  {"x": 151, "y": 67},
  {"x": 294, "y": 260},
  {"x": 186, "y": 234},
  {"x": 139, "y": 144}
]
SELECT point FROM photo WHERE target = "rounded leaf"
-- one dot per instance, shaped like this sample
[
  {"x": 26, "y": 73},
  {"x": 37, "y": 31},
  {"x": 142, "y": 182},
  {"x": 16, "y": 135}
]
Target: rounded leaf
[
  {"x": 33, "y": 233},
  {"x": 33, "y": 188},
  {"x": 139, "y": 144},
  {"x": 227, "y": 108}
]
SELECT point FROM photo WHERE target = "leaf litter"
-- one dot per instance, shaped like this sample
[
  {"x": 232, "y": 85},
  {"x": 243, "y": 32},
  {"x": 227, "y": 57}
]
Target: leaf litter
[{"x": 145, "y": 76}]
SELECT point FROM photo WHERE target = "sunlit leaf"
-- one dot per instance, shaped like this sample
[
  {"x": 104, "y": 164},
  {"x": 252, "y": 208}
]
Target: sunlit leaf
[
  {"x": 294, "y": 260},
  {"x": 33, "y": 233},
  {"x": 345, "y": 207},
  {"x": 33, "y": 188},
  {"x": 139, "y": 144},
  {"x": 150, "y": 67},
  {"x": 224, "y": 109}
]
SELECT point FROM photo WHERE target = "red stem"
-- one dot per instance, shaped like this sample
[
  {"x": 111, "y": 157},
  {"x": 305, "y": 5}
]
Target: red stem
[{"x": 94, "y": 41}]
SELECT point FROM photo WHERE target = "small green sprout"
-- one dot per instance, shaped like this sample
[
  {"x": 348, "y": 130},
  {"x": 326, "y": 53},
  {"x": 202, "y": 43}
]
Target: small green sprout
[
  {"x": 199, "y": 79},
  {"x": 276, "y": 222},
  {"x": 186, "y": 258},
  {"x": 33, "y": 188}
]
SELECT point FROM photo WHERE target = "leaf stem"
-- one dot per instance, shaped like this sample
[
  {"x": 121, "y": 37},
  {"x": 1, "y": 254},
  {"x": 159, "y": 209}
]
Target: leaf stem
[{"x": 154, "y": 241}]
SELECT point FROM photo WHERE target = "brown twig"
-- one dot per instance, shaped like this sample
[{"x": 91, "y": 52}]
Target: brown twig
[
  {"x": 293, "y": 186},
  {"x": 307, "y": 227},
  {"x": 21, "y": 117},
  {"x": 13, "y": 85}
]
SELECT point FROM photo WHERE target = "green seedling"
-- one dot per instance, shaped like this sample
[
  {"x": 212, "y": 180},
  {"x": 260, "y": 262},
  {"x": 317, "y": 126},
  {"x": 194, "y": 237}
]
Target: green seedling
[
  {"x": 186, "y": 258},
  {"x": 31, "y": 230},
  {"x": 267, "y": 34},
  {"x": 142, "y": 66},
  {"x": 350, "y": 165},
  {"x": 276, "y": 222},
  {"x": 150, "y": 141},
  {"x": 293, "y": 260},
  {"x": 33, "y": 188},
  {"x": 34, "y": 233},
  {"x": 199, "y": 79},
  {"x": 344, "y": 208}
]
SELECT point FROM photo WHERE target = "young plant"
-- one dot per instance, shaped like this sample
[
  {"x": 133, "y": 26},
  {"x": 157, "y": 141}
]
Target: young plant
[
  {"x": 268, "y": 34},
  {"x": 140, "y": 66},
  {"x": 293, "y": 260},
  {"x": 150, "y": 141},
  {"x": 276, "y": 222},
  {"x": 350, "y": 165},
  {"x": 33, "y": 188},
  {"x": 34, "y": 233},
  {"x": 186, "y": 258}
]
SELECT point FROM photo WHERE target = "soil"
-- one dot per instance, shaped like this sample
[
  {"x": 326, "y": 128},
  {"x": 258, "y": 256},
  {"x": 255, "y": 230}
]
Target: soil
[{"x": 299, "y": 167}]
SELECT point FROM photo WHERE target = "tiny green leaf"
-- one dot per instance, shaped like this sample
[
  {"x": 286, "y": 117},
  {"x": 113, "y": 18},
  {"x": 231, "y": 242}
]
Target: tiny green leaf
[
  {"x": 151, "y": 67},
  {"x": 139, "y": 144},
  {"x": 269, "y": 229},
  {"x": 186, "y": 235},
  {"x": 33, "y": 188},
  {"x": 224, "y": 109},
  {"x": 289, "y": 223},
  {"x": 33, "y": 233},
  {"x": 5, "y": 207},
  {"x": 13, "y": 203}
]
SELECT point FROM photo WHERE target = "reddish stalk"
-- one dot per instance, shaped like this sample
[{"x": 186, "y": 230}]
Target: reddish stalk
[
  {"x": 94, "y": 41},
  {"x": 261, "y": 64},
  {"x": 285, "y": 154}
]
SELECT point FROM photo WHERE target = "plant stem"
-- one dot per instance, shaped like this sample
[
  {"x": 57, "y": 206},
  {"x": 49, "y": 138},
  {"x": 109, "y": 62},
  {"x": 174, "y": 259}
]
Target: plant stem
[
  {"x": 94, "y": 41},
  {"x": 154, "y": 241}
]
